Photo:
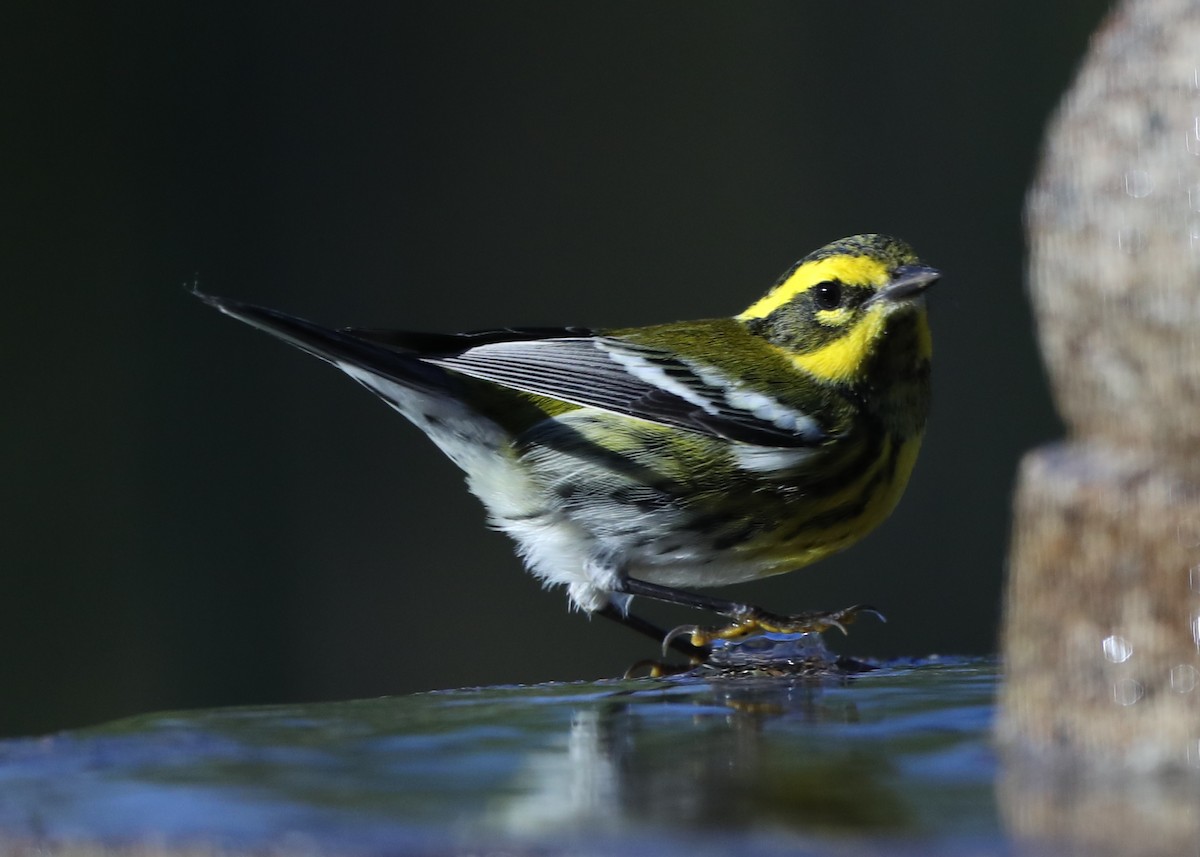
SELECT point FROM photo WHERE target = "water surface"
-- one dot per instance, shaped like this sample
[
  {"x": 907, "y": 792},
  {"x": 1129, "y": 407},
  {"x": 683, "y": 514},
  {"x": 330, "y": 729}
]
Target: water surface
[{"x": 893, "y": 761}]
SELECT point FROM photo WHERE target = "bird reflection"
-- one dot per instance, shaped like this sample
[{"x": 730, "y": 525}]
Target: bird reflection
[{"x": 708, "y": 753}]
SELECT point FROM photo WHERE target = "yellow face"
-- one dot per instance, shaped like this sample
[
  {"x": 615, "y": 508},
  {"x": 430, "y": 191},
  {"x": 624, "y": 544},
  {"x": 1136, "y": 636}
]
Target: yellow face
[
  {"x": 867, "y": 272},
  {"x": 831, "y": 310}
]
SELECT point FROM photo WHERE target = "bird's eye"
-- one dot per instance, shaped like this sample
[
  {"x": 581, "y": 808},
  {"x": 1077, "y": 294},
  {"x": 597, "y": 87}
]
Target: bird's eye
[{"x": 828, "y": 295}]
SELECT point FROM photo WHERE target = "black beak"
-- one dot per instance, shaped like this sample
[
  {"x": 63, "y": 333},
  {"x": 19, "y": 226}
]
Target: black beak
[{"x": 907, "y": 281}]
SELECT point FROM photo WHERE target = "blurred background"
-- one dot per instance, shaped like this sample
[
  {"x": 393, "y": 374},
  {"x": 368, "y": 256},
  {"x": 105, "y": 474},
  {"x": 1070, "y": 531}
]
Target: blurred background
[{"x": 197, "y": 515}]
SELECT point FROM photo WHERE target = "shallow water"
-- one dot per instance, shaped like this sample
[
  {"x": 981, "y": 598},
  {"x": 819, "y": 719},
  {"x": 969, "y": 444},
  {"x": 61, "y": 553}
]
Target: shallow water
[{"x": 892, "y": 761}]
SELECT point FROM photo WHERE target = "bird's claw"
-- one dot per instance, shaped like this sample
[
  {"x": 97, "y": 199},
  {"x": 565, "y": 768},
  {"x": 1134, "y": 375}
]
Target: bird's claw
[{"x": 689, "y": 631}]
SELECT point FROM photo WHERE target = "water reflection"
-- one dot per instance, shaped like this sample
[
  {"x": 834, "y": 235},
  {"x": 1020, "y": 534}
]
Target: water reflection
[
  {"x": 733, "y": 755},
  {"x": 896, "y": 755}
]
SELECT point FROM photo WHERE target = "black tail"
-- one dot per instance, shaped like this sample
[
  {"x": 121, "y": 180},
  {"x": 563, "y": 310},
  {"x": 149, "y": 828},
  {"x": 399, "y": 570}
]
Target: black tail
[{"x": 335, "y": 346}]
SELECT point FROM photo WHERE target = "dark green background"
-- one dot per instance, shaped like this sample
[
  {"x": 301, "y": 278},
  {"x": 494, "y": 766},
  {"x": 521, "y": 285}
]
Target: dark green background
[{"x": 196, "y": 515}]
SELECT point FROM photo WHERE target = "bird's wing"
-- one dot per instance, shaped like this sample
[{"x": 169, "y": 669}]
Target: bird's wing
[
  {"x": 615, "y": 374},
  {"x": 572, "y": 364}
]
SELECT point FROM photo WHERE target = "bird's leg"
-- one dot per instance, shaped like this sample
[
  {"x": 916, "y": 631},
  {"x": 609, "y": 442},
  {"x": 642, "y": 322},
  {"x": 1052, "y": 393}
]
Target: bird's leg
[
  {"x": 649, "y": 629},
  {"x": 747, "y": 619}
]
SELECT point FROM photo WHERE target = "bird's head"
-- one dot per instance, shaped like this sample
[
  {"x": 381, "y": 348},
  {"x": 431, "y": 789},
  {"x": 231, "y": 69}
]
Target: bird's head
[{"x": 833, "y": 310}]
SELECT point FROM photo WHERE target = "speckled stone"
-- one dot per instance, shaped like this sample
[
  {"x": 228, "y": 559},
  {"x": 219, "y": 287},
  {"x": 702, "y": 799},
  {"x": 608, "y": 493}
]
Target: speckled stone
[
  {"x": 1104, "y": 611},
  {"x": 1102, "y": 621},
  {"x": 1114, "y": 232}
]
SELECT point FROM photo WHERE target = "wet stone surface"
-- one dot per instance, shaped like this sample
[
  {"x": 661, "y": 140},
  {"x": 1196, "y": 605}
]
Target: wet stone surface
[{"x": 894, "y": 760}]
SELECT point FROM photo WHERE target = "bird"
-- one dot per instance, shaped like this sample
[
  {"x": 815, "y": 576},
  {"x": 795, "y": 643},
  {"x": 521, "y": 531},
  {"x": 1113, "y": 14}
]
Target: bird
[{"x": 659, "y": 460}]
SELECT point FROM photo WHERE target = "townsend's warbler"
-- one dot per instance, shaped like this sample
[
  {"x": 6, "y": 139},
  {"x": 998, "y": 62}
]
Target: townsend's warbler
[{"x": 693, "y": 454}]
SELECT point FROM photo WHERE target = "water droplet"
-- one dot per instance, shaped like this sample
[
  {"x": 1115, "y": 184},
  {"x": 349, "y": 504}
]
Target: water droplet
[
  {"x": 1196, "y": 630},
  {"x": 1117, "y": 649},
  {"x": 1193, "y": 137},
  {"x": 1194, "y": 578},
  {"x": 1127, "y": 691},
  {"x": 1129, "y": 240},
  {"x": 1194, "y": 197},
  {"x": 1187, "y": 535},
  {"x": 1138, "y": 183},
  {"x": 1183, "y": 678}
]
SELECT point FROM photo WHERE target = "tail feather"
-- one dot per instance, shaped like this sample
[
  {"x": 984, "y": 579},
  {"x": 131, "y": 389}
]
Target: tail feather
[{"x": 344, "y": 349}]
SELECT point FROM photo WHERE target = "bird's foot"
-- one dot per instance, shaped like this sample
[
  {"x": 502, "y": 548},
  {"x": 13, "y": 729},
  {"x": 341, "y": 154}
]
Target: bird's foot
[{"x": 756, "y": 621}]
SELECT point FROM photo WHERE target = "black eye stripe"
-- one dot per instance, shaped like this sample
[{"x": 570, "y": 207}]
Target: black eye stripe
[{"x": 827, "y": 295}]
